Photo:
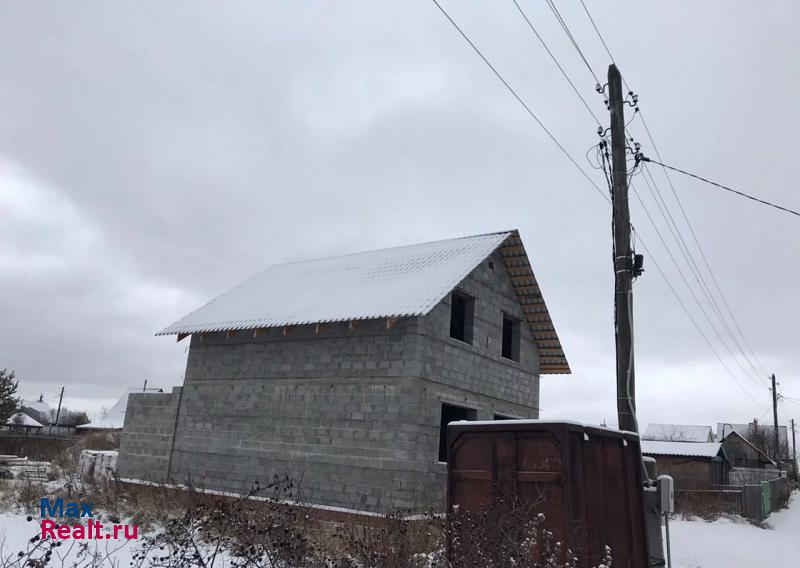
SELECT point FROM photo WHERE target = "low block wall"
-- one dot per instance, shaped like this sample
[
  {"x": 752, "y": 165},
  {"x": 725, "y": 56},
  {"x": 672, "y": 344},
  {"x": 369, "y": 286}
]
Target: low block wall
[
  {"x": 149, "y": 435},
  {"x": 751, "y": 475}
]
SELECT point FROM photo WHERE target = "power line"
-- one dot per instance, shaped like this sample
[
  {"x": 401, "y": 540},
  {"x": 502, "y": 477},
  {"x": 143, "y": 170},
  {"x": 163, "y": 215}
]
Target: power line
[
  {"x": 519, "y": 99},
  {"x": 691, "y": 318},
  {"x": 686, "y": 282},
  {"x": 678, "y": 297},
  {"x": 765, "y": 412},
  {"x": 572, "y": 160},
  {"x": 572, "y": 39},
  {"x": 680, "y": 205},
  {"x": 725, "y": 187},
  {"x": 603, "y": 41},
  {"x": 697, "y": 244},
  {"x": 705, "y": 260},
  {"x": 555, "y": 60},
  {"x": 689, "y": 258},
  {"x": 683, "y": 277}
]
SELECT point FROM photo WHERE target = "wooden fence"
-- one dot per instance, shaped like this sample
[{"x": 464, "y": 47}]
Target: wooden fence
[{"x": 755, "y": 502}]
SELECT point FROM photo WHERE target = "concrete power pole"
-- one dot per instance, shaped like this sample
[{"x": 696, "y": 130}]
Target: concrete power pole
[
  {"x": 775, "y": 416},
  {"x": 58, "y": 412},
  {"x": 623, "y": 293}
]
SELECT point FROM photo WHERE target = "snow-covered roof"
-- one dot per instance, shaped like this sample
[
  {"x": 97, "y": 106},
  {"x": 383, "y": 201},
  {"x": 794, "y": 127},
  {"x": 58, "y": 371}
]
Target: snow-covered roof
[
  {"x": 679, "y": 433},
  {"x": 689, "y": 449},
  {"x": 114, "y": 418},
  {"x": 37, "y": 405},
  {"x": 747, "y": 430},
  {"x": 25, "y": 420},
  {"x": 389, "y": 283}
]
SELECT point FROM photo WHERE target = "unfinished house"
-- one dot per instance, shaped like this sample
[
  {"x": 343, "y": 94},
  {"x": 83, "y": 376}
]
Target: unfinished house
[{"x": 343, "y": 372}]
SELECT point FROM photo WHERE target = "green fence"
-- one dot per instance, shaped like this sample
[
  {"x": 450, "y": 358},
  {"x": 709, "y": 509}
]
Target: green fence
[{"x": 766, "y": 499}]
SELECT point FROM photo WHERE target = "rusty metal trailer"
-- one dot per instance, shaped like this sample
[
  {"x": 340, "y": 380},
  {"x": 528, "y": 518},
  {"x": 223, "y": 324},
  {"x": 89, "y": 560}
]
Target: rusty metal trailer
[{"x": 586, "y": 480}]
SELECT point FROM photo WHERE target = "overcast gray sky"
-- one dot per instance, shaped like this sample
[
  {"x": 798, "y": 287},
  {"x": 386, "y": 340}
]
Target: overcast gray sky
[{"x": 154, "y": 154}]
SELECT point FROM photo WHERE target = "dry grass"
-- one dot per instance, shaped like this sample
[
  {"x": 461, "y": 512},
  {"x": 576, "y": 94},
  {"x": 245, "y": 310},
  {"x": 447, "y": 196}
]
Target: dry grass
[{"x": 197, "y": 527}]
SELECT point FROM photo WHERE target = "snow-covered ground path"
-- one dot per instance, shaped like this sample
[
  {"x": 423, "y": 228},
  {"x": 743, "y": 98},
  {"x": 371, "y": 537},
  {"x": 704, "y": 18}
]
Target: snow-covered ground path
[{"x": 728, "y": 544}]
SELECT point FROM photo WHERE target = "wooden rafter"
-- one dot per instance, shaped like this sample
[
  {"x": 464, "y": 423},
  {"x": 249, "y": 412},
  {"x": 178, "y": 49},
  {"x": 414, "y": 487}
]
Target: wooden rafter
[{"x": 552, "y": 360}]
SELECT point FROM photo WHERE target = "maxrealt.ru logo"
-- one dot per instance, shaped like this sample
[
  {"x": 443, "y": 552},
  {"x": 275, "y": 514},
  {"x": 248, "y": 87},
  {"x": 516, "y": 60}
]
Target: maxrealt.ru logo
[{"x": 72, "y": 513}]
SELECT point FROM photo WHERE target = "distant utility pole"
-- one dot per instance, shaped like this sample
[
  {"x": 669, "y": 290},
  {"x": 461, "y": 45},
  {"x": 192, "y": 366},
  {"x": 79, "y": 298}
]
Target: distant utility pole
[
  {"x": 794, "y": 453},
  {"x": 623, "y": 293},
  {"x": 58, "y": 412},
  {"x": 775, "y": 416}
]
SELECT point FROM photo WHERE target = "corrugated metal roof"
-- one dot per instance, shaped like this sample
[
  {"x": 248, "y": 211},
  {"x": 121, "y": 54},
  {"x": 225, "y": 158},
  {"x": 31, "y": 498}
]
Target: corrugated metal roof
[
  {"x": 678, "y": 433},
  {"x": 388, "y": 283},
  {"x": 689, "y": 449}
]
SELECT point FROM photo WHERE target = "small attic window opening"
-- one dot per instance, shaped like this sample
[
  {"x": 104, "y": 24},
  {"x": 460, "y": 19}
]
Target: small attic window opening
[
  {"x": 510, "y": 343},
  {"x": 462, "y": 308}
]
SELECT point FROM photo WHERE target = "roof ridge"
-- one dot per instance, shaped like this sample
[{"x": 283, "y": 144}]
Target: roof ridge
[
  {"x": 384, "y": 249},
  {"x": 401, "y": 281}
]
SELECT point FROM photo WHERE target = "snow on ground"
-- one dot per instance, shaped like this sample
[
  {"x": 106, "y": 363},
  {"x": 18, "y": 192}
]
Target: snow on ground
[
  {"x": 16, "y": 530},
  {"x": 736, "y": 544},
  {"x": 724, "y": 543}
]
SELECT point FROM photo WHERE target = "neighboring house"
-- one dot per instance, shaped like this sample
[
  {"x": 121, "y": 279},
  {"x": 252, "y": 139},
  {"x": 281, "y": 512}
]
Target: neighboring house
[
  {"x": 760, "y": 435},
  {"x": 39, "y": 410},
  {"x": 743, "y": 454},
  {"x": 343, "y": 372},
  {"x": 693, "y": 465},
  {"x": 678, "y": 433},
  {"x": 114, "y": 419},
  {"x": 22, "y": 423}
]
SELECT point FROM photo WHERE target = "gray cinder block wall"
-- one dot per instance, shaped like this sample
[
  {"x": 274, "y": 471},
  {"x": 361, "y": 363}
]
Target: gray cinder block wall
[{"x": 352, "y": 411}]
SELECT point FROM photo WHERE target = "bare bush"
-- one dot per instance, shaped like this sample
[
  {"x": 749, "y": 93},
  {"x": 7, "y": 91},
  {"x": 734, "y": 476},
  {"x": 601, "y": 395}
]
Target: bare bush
[{"x": 260, "y": 529}]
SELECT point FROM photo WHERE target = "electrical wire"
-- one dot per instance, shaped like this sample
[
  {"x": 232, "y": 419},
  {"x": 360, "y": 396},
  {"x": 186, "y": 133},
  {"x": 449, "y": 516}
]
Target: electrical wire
[
  {"x": 680, "y": 205},
  {"x": 596, "y": 29},
  {"x": 672, "y": 288},
  {"x": 555, "y": 60},
  {"x": 520, "y": 100},
  {"x": 572, "y": 39},
  {"x": 685, "y": 281},
  {"x": 725, "y": 187},
  {"x": 606, "y": 160},
  {"x": 691, "y": 318},
  {"x": 704, "y": 285},
  {"x": 572, "y": 160},
  {"x": 753, "y": 372}
]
